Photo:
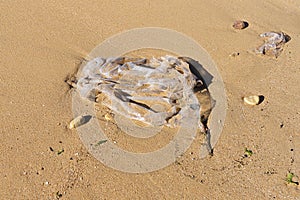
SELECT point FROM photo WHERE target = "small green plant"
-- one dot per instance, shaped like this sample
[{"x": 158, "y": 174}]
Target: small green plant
[
  {"x": 289, "y": 178},
  {"x": 58, "y": 195},
  {"x": 60, "y": 152},
  {"x": 100, "y": 142},
  {"x": 248, "y": 152}
]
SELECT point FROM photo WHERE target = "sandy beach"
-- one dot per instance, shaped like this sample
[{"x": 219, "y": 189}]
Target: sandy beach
[{"x": 43, "y": 42}]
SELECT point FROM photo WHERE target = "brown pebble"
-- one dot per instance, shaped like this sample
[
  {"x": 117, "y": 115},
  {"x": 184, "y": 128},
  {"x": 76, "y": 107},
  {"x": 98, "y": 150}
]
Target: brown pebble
[
  {"x": 234, "y": 54},
  {"x": 239, "y": 24}
]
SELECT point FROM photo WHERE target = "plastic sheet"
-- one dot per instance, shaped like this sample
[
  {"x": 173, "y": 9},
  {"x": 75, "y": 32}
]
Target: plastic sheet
[
  {"x": 153, "y": 91},
  {"x": 274, "y": 42}
]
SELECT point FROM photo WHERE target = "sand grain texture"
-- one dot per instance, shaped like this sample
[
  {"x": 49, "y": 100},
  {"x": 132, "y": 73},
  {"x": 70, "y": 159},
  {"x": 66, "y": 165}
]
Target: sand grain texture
[{"x": 42, "y": 42}]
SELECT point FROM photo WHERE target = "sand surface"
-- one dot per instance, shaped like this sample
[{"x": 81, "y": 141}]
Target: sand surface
[{"x": 42, "y": 42}]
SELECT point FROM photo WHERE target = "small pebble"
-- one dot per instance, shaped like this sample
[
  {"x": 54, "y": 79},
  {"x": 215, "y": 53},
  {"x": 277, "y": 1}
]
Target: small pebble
[
  {"x": 253, "y": 100},
  {"x": 239, "y": 24},
  {"x": 108, "y": 117},
  {"x": 78, "y": 121},
  {"x": 234, "y": 54}
]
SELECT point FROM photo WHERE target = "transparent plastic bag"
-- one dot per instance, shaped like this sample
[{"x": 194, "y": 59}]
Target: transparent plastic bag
[
  {"x": 274, "y": 43},
  {"x": 153, "y": 91}
]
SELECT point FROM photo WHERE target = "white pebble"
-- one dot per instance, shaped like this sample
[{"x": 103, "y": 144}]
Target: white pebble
[
  {"x": 78, "y": 121},
  {"x": 251, "y": 100}
]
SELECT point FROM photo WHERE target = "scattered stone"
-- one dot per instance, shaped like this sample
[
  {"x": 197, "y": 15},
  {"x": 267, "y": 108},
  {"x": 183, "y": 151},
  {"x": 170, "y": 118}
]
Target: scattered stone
[
  {"x": 78, "y": 121},
  {"x": 108, "y": 117},
  {"x": 234, "y": 54},
  {"x": 253, "y": 100},
  {"x": 239, "y": 24},
  {"x": 281, "y": 125}
]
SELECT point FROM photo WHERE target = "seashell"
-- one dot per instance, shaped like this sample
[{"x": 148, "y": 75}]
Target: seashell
[
  {"x": 253, "y": 100},
  {"x": 239, "y": 24},
  {"x": 78, "y": 121},
  {"x": 108, "y": 117}
]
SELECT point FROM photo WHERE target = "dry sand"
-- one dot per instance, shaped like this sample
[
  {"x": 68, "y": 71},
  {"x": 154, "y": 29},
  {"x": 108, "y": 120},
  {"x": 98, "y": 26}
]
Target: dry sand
[{"x": 42, "y": 42}]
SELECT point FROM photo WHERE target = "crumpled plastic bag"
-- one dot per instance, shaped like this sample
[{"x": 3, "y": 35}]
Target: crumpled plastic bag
[
  {"x": 274, "y": 43},
  {"x": 153, "y": 91}
]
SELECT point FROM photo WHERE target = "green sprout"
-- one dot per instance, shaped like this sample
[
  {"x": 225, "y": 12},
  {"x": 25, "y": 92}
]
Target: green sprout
[
  {"x": 60, "y": 152},
  {"x": 58, "y": 194},
  {"x": 289, "y": 178},
  {"x": 248, "y": 152},
  {"x": 100, "y": 142}
]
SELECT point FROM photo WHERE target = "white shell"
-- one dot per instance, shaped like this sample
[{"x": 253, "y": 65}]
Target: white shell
[
  {"x": 108, "y": 117},
  {"x": 251, "y": 100},
  {"x": 78, "y": 121}
]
